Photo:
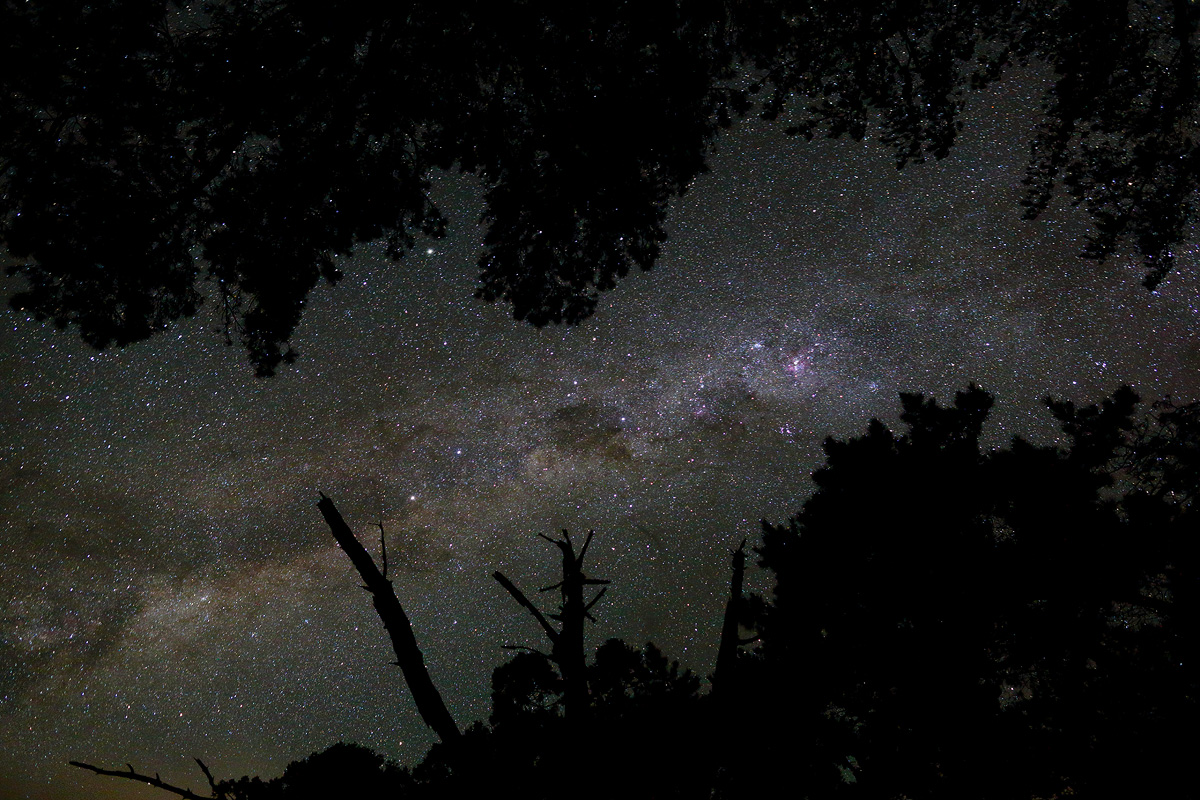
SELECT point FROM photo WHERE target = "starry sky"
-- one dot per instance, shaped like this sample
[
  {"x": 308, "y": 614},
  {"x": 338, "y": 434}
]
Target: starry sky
[{"x": 169, "y": 590}]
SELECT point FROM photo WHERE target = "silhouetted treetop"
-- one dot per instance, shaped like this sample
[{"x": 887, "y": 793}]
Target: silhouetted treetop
[
  {"x": 145, "y": 151},
  {"x": 937, "y": 604},
  {"x": 1119, "y": 112},
  {"x": 254, "y": 142}
]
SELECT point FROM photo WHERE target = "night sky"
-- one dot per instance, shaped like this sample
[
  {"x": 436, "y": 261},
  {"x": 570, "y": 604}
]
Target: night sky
[{"x": 168, "y": 588}]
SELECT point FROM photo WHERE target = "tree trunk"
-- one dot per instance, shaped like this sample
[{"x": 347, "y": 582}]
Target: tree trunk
[
  {"x": 567, "y": 642},
  {"x": 404, "y": 643},
  {"x": 727, "y": 652},
  {"x": 568, "y": 648}
]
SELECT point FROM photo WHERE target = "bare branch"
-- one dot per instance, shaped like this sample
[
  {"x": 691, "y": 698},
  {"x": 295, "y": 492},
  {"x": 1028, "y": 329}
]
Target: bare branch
[
  {"x": 595, "y": 600},
  {"x": 383, "y": 549},
  {"x": 154, "y": 781},
  {"x": 586, "y": 542},
  {"x": 526, "y": 648},
  {"x": 523, "y": 600},
  {"x": 211, "y": 783}
]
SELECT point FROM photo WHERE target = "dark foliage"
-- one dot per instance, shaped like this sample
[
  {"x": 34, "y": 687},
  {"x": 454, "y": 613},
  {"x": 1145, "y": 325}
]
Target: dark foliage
[
  {"x": 257, "y": 141},
  {"x": 645, "y": 736},
  {"x": 1026, "y": 614},
  {"x": 330, "y": 773},
  {"x": 150, "y": 158},
  {"x": 1119, "y": 113}
]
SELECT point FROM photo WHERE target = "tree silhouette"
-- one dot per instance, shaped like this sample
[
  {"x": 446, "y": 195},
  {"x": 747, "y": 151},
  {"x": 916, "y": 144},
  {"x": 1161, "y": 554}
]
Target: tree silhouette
[
  {"x": 526, "y": 690},
  {"x": 937, "y": 605},
  {"x": 882, "y": 610},
  {"x": 724, "y": 676},
  {"x": 408, "y": 655},
  {"x": 566, "y": 642},
  {"x": 635, "y": 711},
  {"x": 135, "y": 181},
  {"x": 328, "y": 773},
  {"x": 340, "y": 768},
  {"x": 1120, "y": 119},
  {"x": 126, "y": 154},
  {"x": 1103, "y": 644}
]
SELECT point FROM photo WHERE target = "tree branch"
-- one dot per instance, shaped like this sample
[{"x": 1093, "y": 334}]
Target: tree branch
[
  {"x": 211, "y": 783},
  {"x": 526, "y": 648},
  {"x": 595, "y": 600},
  {"x": 383, "y": 549},
  {"x": 154, "y": 781},
  {"x": 408, "y": 655},
  {"x": 520, "y": 597},
  {"x": 586, "y": 542}
]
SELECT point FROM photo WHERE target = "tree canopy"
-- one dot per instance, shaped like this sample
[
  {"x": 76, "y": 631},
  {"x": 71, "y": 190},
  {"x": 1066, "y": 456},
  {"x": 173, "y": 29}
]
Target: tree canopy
[
  {"x": 152, "y": 157},
  {"x": 939, "y": 607}
]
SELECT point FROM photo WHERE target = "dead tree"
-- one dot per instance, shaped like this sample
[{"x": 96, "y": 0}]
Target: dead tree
[
  {"x": 404, "y": 643},
  {"x": 727, "y": 651},
  {"x": 566, "y": 643},
  {"x": 724, "y": 736}
]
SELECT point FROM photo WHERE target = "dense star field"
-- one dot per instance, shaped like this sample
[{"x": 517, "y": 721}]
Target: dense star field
[{"x": 169, "y": 589}]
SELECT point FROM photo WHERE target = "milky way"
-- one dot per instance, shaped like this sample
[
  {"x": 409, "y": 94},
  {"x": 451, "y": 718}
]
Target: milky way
[{"x": 169, "y": 589}]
